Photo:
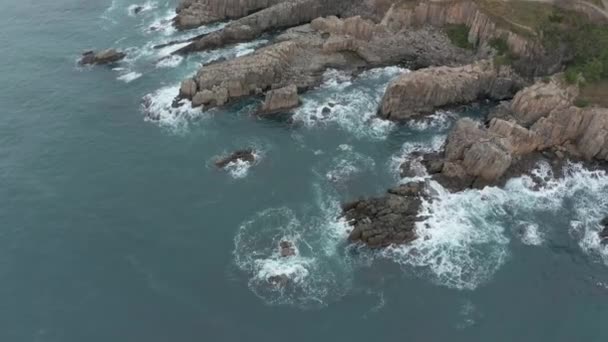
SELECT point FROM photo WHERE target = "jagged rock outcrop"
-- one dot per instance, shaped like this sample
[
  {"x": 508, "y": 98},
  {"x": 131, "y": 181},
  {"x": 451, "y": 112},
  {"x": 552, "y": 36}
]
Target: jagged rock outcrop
[
  {"x": 541, "y": 118},
  {"x": 423, "y": 91},
  {"x": 194, "y": 13},
  {"x": 107, "y": 56},
  {"x": 301, "y": 54},
  {"x": 278, "y": 100},
  {"x": 391, "y": 219}
]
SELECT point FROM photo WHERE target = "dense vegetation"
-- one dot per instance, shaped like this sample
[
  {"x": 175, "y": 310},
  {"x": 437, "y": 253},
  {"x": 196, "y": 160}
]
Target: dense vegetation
[
  {"x": 459, "y": 35},
  {"x": 585, "y": 42}
]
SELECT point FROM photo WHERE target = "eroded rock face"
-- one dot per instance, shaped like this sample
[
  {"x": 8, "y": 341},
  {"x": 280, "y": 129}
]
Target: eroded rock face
[
  {"x": 380, "y": 222},
  {"x": 279, "y": 100},
  {"x": 423, "y": 91},
  {"x": 107, "y": 56}
]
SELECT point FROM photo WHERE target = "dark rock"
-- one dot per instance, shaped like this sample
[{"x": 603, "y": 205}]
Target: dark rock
[
  {"x": 107, "y": 56},
  {"x": 243, "y": 155},
  {"x": 137, "y": 9},
  {"x": 281, "y": 280},
  {"x": 287, "y": 249},
  {"x": 326, "y": 111},
  {"x": 391, "y": 219}
]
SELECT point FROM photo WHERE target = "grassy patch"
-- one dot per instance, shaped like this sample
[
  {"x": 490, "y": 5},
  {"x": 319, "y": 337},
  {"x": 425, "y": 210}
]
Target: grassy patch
[{"x": 459, "y": 35}]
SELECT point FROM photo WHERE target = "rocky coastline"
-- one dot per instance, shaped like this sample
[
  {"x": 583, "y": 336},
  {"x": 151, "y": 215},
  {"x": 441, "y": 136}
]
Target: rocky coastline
[{"x": 494, "y": 58}]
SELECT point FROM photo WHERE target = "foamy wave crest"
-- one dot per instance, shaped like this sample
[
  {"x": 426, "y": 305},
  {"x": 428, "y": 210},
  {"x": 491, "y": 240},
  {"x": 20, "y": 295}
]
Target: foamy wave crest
[
  {"x": 305, "y": 279},
  {"x": 129, "y": 76},
  {"x": 348, "y": 164},
  {"x": 159, "y": 107},
  {"x": 349, "y": 103}
]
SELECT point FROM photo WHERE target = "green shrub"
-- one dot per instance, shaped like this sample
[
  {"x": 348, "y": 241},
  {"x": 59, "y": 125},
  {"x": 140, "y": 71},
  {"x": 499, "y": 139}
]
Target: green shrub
[
  {"x": 571, "y": 75},
  {"x": 500, "y": 45},
  {"x": 586, "y": 41},
  {"x": 581, "y": 103},
  {"x": 459, "y": 35}
]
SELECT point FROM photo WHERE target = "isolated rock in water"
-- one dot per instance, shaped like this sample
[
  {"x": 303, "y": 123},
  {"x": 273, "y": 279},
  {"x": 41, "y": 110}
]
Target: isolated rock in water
[
  {"x": 423, "y": 91},
  {"x": 279, "y": 100},
  {"x": 380, "y": 222},
  {"x": 107, "y": 56},
  {"x": 137, "y": 9},
  {"x": 242, "y": 155},
  {"x": 287, "y": 249}
]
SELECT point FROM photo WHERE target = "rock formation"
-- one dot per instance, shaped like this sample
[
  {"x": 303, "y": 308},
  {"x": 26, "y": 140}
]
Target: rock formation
[
  {"x": 541, "y": 117},
  {"x": 423, "y": 91},
  {"x": 107, "y": 56},
  {"x": 301, "y": 55},
  {"x": 391, "y": 219},
  {"x": 280, "y": 100}
]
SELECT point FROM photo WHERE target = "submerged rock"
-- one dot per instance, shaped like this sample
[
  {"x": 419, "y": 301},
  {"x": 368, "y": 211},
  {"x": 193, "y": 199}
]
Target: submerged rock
[
  {"x": 391, "y": 219},
  {"x": 247, "y": 155},
  {"x": 107, "y": 56}
]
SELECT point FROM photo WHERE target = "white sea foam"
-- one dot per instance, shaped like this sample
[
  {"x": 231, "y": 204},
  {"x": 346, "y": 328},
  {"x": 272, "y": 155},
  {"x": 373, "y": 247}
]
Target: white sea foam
[
  {"x": 349, "y": 103},
  {"x": 158, "y": 107},
  {"x": 348, "y": 164},
  {"x": 462, "y": 242},
  {"x": 440, "y": 120},
  {"x": 169, "y": 62},
  {"x": 129, "y": 77},
  {"x": 530, "y": 234},
  {"x": 318, "y": 274},
  {"x": 406, "y": 154},
  {"x": 146, "y": 6}
]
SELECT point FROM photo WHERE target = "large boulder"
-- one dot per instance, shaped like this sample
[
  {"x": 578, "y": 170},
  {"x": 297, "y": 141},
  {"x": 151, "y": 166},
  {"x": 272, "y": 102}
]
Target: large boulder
[
  {"x": 107, "y": 56},
  {"x": 423, "y": 91},
  {"x": 280, "y": 100}
]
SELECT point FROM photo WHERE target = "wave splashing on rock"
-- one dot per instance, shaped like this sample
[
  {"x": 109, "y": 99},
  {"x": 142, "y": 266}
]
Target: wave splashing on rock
[
  {"x": 311, "y": 275},
  {"x": 351, "y": 103},
  {"x": 462, "y": 241}
]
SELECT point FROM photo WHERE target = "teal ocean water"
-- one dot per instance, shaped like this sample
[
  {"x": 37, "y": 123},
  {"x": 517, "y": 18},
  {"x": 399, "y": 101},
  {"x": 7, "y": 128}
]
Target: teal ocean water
[{"x": 116, "y": 226}]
